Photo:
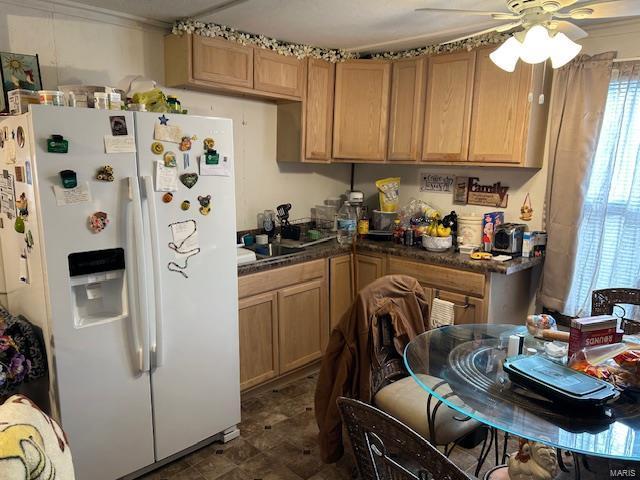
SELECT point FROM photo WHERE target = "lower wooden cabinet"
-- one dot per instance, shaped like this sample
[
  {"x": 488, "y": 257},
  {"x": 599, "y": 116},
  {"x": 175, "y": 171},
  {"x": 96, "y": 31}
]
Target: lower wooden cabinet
[
  {"x": 283, "y": 320},
  {"x": 467, "y": 309},
  {"x": 258, "y": 326},
  {"x": 303, "y": 329},
  {"x": 368, "y": 269}
]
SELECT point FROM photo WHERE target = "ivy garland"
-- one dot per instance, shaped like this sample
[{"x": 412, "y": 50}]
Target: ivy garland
[{"x": 196, "y": 27}]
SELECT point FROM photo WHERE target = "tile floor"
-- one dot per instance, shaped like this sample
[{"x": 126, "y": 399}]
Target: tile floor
[{"x": 277, "y": 442}]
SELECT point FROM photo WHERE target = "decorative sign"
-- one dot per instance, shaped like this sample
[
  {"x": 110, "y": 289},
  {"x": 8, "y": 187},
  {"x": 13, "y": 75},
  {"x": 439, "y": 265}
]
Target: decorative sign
[
  {"x": 433, "y": 182},
  {"x": 488, "y": 195}
]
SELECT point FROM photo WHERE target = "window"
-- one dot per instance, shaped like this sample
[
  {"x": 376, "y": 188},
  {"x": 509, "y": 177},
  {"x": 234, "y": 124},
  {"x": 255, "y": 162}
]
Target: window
[{"x": 609, "y": 236}]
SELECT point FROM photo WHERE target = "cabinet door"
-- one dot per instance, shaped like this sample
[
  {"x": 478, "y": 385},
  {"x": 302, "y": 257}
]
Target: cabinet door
[
  {"x": 407, "y": 109},
  {"x": 258, "y": 326},
  {"x": 448, "y": 107},
  {"x": 340, "y": 287},
  {"x": 277, "y": 73},
  {"x": 302, "y": 324},
  {"x": 361, "y": 110},
  {"x": 321, "y": 76},
  {"x": 223, "y": 62},
  {"x": 500, "y": 112},
  {"x": 368, "y": 269},
  {"x": 467, "y": 309}
]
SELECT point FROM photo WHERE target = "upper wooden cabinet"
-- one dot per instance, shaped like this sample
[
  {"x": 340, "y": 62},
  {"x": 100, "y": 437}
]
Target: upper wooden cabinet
[
  {"x": 277, "y": 73},
  {"x": 216, "y": 64},
  {"x": 448, "y": 107},
  {"x": 361, "y": 110},
  {"x": 220, "y": 61},
  {"x": 319, "y": 109},
  {"x": 500, "y": 111},
  {"x": 407, "y": 107}
]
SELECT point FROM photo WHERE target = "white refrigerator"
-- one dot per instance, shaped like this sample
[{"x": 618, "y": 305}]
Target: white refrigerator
[{"x": 141, "y": 315}]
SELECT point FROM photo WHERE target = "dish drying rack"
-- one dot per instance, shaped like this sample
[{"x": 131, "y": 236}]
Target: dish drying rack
[{"x": 307, "y": 231}]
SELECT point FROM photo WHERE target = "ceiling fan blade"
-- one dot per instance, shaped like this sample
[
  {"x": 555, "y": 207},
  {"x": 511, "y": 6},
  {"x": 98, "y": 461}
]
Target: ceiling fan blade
[
  {"x": 603, "y": 9},
  {"x": 499, "y": 28},
  {"x": 572, "y": 31},
  {"x": 497, "y": 15}
]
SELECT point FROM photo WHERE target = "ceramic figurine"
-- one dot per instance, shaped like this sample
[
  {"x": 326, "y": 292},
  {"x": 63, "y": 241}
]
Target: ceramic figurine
[{"x": 533, "y": 461}]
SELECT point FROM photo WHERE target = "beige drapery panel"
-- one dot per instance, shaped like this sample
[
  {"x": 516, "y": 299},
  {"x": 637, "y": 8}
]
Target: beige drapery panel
[{"x": 578, "y": 101}]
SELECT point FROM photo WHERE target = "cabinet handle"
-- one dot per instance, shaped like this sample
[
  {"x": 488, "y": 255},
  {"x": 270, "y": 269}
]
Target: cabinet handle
[{"x": 466, "y": 301}]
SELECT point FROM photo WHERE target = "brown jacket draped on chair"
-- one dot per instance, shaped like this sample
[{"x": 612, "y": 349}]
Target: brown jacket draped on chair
[
  {"x": 578, "y": 101},
  {"x": 346, "y": 365}
]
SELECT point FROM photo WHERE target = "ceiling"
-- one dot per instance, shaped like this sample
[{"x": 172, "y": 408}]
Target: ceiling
[{"x": 357, "y": 25}]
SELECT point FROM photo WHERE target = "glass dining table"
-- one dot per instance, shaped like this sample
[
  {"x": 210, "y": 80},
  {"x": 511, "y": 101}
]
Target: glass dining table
[{"x": 469, "y": 358}]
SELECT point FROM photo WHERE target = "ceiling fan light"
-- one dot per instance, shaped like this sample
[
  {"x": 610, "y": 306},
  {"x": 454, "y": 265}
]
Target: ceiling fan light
[
  {"x": 536, "y": 45},
  {"x": 563, "y": 50},
  {"x": 506, "y": 56}
]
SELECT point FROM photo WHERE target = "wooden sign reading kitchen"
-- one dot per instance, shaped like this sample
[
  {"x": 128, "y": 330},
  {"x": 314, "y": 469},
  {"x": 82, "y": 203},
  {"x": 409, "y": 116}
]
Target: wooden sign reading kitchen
[{"x": 468, "y": 191}]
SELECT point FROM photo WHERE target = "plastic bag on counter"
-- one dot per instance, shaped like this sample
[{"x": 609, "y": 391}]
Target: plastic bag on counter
[
  {"x": 416, "y": 212},
  {"x": 618, "y": 364},
  {"x": 389, "y": 189}
]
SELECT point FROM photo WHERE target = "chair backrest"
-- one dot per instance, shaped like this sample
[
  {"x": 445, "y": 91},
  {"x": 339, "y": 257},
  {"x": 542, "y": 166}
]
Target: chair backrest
[
  {"x": 604, "y": 301},
  {"x": 386, "y": 449}
]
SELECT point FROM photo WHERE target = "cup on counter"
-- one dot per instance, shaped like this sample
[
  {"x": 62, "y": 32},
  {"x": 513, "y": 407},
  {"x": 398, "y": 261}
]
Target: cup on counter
[{"x": 262, "y": 239}]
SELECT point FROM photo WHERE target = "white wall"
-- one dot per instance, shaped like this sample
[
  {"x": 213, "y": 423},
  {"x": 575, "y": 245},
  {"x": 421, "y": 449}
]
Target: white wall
[{"x": 83, "y": 46}]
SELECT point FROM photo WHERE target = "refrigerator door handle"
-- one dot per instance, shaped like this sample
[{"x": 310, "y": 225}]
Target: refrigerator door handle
[
  {"x": 156, "y": 348},
  {"x": 136, "y": 278}
]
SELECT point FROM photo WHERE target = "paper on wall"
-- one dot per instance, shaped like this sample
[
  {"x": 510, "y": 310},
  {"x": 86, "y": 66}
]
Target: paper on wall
[
  {"x": 166, "y": 178},
  {"x": 72, "y": 196},
  {"x": 222, "y": 169},
  {"x": 185, "y": 238},
  {"x": 167, "y": 133},
  {"x": 119, "y": 144}
]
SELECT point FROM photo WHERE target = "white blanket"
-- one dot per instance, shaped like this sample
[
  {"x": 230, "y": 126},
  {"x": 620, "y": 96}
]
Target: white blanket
[{"x": 32, "y": 445}]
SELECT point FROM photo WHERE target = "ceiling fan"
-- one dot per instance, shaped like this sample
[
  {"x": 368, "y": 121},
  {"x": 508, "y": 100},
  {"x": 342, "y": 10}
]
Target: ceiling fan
[{"x": 541, "y": 28}]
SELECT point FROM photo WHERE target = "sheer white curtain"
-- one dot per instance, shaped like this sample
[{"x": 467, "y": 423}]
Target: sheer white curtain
[{"x": 608, "y": 254}]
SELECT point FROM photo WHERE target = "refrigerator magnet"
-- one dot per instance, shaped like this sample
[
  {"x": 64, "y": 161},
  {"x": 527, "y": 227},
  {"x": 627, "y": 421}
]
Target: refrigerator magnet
[
  {"x": 185, "y": 144},
  {"x": 205, "y": 204},
  {"x": 185, "y": 205},
  {"x": 98, "y": 221},
  {"x": 69, "y": 178},
  {"x": 209, "y": 144},
  {"x": 189, "y": 179},
  {"x": 118, "y": 125},
  {"x": 170, "y": 160},
  {"x": 22, "y": 205},
  {"x": 105, "y": 173},
  {"x": 186, "y": 162},
  {"x": 167, "y": 197},
  {"x": 19, "y": 225},
  {"x": 157, "y": 148}
]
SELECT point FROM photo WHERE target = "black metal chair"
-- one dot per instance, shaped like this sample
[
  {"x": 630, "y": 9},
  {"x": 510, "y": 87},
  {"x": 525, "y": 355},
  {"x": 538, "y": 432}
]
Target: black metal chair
[
  {"x": 603, "y": 302},
  {"x": 386, "y": 449}
]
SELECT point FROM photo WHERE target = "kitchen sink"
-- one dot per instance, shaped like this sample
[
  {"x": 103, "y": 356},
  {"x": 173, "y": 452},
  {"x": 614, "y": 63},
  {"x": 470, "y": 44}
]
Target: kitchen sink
[{"x": 277, "y": 250}]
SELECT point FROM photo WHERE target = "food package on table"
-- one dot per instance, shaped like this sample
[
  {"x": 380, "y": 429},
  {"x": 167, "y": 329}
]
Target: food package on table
[
  {"x": 389, "y": 189},
  {"x": 618, "y": 364},
  {"x": 536, "y": 324}
]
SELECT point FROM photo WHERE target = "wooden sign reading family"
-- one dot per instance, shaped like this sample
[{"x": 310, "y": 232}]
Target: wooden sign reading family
[{"x": 469, "y": 191}]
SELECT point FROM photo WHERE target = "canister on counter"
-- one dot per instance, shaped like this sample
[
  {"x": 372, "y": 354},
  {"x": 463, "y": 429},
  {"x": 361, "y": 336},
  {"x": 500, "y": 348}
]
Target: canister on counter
[
  {"x": 51, "y": 97},
  {"x": 20, "y": 99}
]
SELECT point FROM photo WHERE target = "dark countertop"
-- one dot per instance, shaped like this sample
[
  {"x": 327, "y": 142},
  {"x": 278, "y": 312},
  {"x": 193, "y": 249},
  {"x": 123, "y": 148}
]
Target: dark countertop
[{"x": 446, "y": 259}]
